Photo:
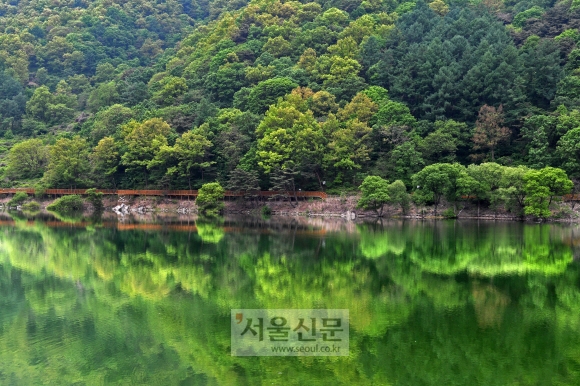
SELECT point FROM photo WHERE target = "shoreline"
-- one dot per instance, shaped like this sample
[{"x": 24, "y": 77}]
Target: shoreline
[{"x": 332, "y": 207}]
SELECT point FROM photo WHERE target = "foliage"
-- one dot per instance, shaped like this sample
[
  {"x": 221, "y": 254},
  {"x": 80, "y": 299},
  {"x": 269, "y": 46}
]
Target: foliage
[
  {"x": 521, "y": 17},
  {"x": 437, "y": 181},
  {"x": 375, "y": 194},
  {"x": 31, "y": 206},
  {"x": 449, "y": 213},
  {"x": 244, "y": 182},
  {"x": 18, "y": 199},
  {"x": 27, "y": 159},
  {"x": 266, "y": 212},
  {"x": 512, "y": 188},
  {"x": 488, "y": 129},
  {"x": 541, "y": 186},
  {"x": 95, "y": 198},
  {"x": 65, "y": 204},
  {"x": 210, "y": 198},
  {"x": 172, "y": 95},
  {"x": 69, "y": 163},
  {"x": 398, "y": 195},
  {"x": 144, "y": 140},
  {"x": 105, "y": 162},
  {"x": 536, "y": 196},
  {"x": 267, "y": 92},
  {"x": 39, "y": 191}
]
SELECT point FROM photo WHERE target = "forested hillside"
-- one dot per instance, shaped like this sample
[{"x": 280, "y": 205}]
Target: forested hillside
[{"x": 315, "y": 94}]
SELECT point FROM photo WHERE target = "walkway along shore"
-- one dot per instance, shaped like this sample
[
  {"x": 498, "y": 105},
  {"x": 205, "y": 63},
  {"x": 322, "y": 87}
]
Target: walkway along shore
[
  {"x": 166, "y": 193},
  {"x": 287, "y": 203}
]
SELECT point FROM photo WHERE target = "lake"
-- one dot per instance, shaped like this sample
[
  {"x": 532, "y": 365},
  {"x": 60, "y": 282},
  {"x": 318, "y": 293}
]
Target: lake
[{"x": 431, "y": 303}]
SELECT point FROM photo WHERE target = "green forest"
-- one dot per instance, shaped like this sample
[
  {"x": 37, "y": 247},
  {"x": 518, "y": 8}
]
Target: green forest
[{"x": 262, "y": 94}]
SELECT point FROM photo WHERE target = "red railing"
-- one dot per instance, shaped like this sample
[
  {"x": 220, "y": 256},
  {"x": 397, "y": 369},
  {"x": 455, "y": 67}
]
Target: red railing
[
  {"x": 172, "y": 193},
  {"x": 193, "y": 193},
  {"x": 571, "y": 197}
]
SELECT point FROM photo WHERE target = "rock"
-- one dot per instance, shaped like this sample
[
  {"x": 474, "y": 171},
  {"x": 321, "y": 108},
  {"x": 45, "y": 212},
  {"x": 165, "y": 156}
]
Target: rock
[{"x": 121, "y": 209}]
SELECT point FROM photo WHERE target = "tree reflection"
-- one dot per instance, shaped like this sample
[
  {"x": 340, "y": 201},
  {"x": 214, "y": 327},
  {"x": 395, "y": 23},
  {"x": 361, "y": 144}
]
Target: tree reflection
[{"x": 481, "y": 303}]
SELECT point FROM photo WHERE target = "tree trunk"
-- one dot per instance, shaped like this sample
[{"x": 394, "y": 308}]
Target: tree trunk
[
  {"x": 319, "y": 182},
  {"x": 294, "y": 191}
]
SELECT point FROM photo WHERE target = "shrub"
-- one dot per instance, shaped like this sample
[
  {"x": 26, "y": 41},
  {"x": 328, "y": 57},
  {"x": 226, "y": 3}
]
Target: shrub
[
  {"x": 210, "y": 198},
  {"x": 70, "y": 203},
  {"x": 18, "y": 199},
  {"x": 39, "y": 191},
  {"x": 449, "y": 213},
  {"x": 564, "y": 211},
  {"x": 95, "y": 198},
  {"x": 266, "y": 211},
  {"x": 31, "y": 206}
]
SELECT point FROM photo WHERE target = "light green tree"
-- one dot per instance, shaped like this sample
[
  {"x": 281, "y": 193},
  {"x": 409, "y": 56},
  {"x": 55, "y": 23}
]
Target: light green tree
[
  {"x": 190, "y": 151},
  {"x": 360, "y": 107},
  {"x": 541, "y": 186},
  {"x": 107, "y": 121},
  {"x": 104, "y": 95},
  {"x": 37, "y": 106},
  {"x": 105, "y": 161},
  {"x": 27, "y": 159},
  {"x": 349, "y": 146},
  {"x": 398, "y": 195},
  {"x": 289, "y": 138},
  {"x": 556, "y": 180},
  {"x": 512, "y": 190},
  {"x": 437, "y": 181},
  {"x": 210, "y": 198},
  {"x": 143, "y": 141},
  {"x": 375, "y": 194},
  {"x": 537, "y": 195},
  {"x": 69, "y": 163},
  {"x": 481, "y": 183},
  {"x": 172, "y": 88}
]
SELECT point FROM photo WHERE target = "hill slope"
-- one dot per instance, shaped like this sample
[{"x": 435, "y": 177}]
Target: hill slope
[{"x": 141, "y": 94}]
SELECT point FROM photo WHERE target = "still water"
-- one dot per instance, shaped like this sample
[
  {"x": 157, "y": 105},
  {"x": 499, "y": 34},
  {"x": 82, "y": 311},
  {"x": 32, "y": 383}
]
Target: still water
[{"x": 431, "y": 303}]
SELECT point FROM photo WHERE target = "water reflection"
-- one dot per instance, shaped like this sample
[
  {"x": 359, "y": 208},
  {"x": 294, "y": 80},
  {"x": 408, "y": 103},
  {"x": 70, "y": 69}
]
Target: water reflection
[{"x": 431, "y": 303}]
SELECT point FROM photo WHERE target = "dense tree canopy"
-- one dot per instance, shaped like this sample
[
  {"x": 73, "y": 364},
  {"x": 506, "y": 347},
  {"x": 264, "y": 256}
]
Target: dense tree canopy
[{"x": 185, "y": 93}]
